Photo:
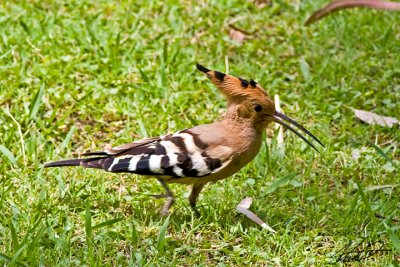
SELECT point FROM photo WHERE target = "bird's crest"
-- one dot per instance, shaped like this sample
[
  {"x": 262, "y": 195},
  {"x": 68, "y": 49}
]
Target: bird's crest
[{"x": 232, "y": 86}]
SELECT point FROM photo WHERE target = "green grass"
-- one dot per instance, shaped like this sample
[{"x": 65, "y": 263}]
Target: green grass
[{"x": 75, "y": 76}]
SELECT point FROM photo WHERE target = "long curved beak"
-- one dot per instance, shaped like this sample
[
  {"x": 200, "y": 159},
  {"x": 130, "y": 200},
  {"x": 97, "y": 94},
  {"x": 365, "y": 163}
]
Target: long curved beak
[{"x": 287, "y": 122}]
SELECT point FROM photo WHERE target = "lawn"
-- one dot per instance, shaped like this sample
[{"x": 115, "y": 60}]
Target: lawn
[{"x": 77, "y": 75}]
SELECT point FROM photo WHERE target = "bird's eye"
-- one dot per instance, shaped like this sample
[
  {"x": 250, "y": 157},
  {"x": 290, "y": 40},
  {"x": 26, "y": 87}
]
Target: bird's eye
[{"x": 257, "y": 108}]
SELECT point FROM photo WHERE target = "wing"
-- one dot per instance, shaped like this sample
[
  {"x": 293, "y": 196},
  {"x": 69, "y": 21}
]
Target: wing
[{"x": 182, "y": 154}]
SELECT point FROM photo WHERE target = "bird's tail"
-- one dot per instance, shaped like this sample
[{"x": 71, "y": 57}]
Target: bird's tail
[
  {"x": 95, "y": 162},
  {"x": 63, "y": 163}
]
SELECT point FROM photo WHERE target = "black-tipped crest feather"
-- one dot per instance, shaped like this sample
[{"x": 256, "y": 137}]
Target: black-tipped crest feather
[
  {"x": 244, "y": 83},
  {"x": 219, "y": 75},
  {"x": 202, "y": 68}
]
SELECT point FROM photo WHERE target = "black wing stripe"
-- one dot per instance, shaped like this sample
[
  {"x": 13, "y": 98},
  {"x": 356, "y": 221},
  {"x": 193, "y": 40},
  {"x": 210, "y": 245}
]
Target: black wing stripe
[{"x": 120, "y": 165}]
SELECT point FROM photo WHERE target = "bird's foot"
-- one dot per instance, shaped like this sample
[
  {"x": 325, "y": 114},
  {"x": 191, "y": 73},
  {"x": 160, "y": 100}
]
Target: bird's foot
[{"x": 167, "y": 206}]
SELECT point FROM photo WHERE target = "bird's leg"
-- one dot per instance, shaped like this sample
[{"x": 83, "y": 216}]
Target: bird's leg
[
  {"x": 167, "y": 193},
  {"x": 196, "y": 189},
  {"x": 169, "y": 198}
]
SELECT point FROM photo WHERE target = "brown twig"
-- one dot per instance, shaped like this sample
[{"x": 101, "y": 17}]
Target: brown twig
[{"x": 344, "y": 4}]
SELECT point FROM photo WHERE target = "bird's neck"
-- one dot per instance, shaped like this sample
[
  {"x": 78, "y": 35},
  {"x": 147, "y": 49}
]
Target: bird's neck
[
  {"x": 242, "y": 124},
  {"x": 242, "y": 131}
]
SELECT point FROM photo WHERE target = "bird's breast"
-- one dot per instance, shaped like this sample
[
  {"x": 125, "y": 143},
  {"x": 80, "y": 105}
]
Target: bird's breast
[{"x": 243, "y": 151}]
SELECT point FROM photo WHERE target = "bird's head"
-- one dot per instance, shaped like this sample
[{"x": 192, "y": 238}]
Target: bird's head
[{"x": 248, "y": 101}]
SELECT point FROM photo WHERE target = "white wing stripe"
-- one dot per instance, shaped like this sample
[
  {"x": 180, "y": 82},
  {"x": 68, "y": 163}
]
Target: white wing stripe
[
  {"x": 133, "y": 163},
  {"x": 155, "y": 164},
  {"x": 115, "y": 161}
]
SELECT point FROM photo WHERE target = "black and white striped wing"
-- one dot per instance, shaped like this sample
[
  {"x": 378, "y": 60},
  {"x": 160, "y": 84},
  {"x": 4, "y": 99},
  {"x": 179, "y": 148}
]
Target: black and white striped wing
[{"x": 178, "y": 155}]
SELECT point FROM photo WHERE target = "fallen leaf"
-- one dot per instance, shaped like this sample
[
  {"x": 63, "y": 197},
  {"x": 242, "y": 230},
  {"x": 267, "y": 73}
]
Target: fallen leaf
[
  {"x": 262, "y": 3},
  {"x": 238, "y": 36},
  {"x": 243, "y": 208},
  {"x": 379, "y": 187},
  {"x": 196, "y": 37},
  {"x": 372, "y": 118},
  {"x": 344, "y": 4}
]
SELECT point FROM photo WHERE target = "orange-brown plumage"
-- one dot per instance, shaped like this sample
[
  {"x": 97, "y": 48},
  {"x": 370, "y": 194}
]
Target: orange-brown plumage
[{"x": 204, "y": 153}]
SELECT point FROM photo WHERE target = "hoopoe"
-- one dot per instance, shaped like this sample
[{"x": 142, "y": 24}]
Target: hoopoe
[{"x": 204, "y": 153}]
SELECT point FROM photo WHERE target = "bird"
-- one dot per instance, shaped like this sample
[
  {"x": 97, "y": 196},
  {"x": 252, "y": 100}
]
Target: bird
[{"x": 204, "y": 153}]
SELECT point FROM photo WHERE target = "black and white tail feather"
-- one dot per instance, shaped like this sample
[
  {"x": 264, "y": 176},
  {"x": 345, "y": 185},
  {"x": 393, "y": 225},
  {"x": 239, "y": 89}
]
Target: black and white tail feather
[{"x": 178, "y": 155}]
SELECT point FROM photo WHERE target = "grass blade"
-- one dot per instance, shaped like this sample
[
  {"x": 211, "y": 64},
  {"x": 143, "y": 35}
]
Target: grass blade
[
  {"x": 21, "y": 136},
  {"x": 365, "y": 200},
  {"x": 305, "y": 69},
  {"x": 67, "y": 139},
  {"x": 14, "y": 237},
  {"x": 89, "y": 230},
  {"x": 88, "y": 221},
  {"x": 161, "y": 236},
  {"x": 5, "y": 257},
  {"x": 144, "y": 75},
  {"x": 8, "y": 154},
  {"x": 37, "y": 100},
  {"x": 280, "y": 182},
  {"x": 9, "y": 259},
  {"x": 380, "y": 151},
  {"x": 107, "y": 223},
  {"x": 14, "y": 259},
  {"x": 142, "y": 128},
  {"x": 353, "y": 205},
  {"x": 393, "y": 237}
]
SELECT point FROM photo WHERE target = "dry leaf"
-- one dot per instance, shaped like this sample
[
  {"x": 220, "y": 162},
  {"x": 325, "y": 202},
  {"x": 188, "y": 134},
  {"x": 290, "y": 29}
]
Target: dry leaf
[
  {"x": 344, "y": 4},
  {"x": 243, "y": 208},
  {"x": 372, "y": 118},
  {"x": 196, "y": 37},
  {"x": 379, "y": 187},
  {"x": 262, "y": 3},
  {"x": 238, "y": 36}
]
